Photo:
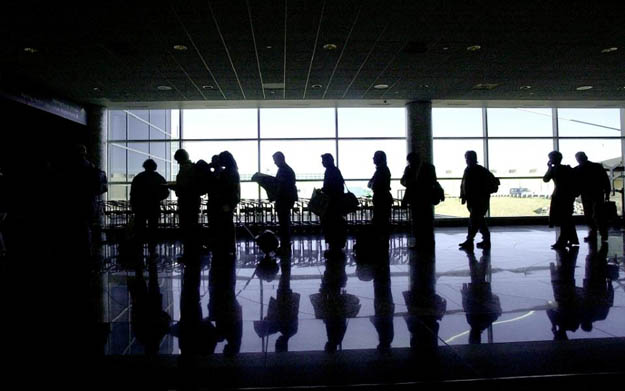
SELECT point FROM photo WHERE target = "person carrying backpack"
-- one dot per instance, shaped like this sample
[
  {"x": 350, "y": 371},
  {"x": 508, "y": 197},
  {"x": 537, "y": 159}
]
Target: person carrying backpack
[{"x": 475, "y": 189}]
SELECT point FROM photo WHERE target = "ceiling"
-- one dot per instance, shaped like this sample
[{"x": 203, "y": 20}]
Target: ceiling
[{"x": 255, "y": 51}]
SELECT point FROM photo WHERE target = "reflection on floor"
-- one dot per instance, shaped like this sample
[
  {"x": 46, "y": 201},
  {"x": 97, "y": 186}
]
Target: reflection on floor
[{"x": 520, "y": 290}]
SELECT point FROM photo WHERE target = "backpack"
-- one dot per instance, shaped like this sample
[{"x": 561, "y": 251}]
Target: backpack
[{"x": 492, "y": 183}]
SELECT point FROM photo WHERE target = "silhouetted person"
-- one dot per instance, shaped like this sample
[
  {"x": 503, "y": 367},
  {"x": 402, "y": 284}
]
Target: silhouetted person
[
  {"x": 333, "y": 222},
  {"x": 286, "y": 195},
  {"x": 380, "y": 184},
  {"x": 594, "y": 185},
  {"x": 213, "y": 205},
  {"x": 420, "y": 180},
  {"x": 147, "y": 191},
  {"x": 480, "y": 305},
  {"x": 188, "y": 193},
  {"x": 227, "y": 197},
  {"x": 566, "y": 313},
  {"x": 562, "y": 200},
  {"x": 475, "y": 189}
]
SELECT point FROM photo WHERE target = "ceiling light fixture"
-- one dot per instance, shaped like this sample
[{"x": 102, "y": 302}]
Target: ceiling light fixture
[
  {"x": 474, "y": 48},
  {"x": 96, "y": 88},
  {"x": 268, "y": 47},
  {"x": 609, "y": 50},
  {"x": 316, "y": 86},
  {"x": 584, "y": 88},
  {"x": 208, "y": 87},
  {"x": 180, "y": 48},
  {"x": 329, "y": 46},
  {"x": 31, "y": 50},
  {"x": 380, "y": 86},
  {"x": 445, "y": 48},
  {"x": 164, "y": 88},
  {"x": 525, "y": 87}
]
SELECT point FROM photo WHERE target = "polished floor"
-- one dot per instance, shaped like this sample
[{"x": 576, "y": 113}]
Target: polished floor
[{"x": 519, "y": 291}]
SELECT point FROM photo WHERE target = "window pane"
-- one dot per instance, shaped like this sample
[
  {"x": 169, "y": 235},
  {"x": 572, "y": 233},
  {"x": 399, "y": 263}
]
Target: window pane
[
  {"x": 589, "y": 122},
  {"x": 245, "y": 153},
  {"x": 249, "y": 190},
  {"x": 220, "y": 123},
  {"x": 297, "y": 123},
  {"x": 174, "y": 125},
  {"x": 117, "y": 125},
  {"x": 360, "y": 189},
  {"x": 117, "y": 162},
  {"x": 117, "y": 192},
  {"x": 138, "y": 128},
  {"x": 158, "y": 122},
  {"x": 607, "y": 151},
  {"x": 158, "y": 152},
  {"x": 137, "y": 154},
  {"x": 304, "y": 157},
  {"x": 520, "y": 122},
  {"x": 372, "y": 122},
  {"x": 521, "y": 197},
  {"x": 449, "y": 156},
  {"x": 452, "y": 206},
  {"x": 519, "y": 157},
  {"x": 447, "y": 122},
  {"x": 356, "y": 157}
]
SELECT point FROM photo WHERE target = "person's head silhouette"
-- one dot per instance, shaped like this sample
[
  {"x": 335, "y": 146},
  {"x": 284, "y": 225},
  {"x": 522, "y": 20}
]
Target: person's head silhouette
[
  {"x": 327, "y": 160},
  {"x": 181, "y": 156},
  {"x": 227, "y": 161},
  {"x": 379, "y": 158},
  {"x": 413, "y": 158},
  {"x": 581, "y": 157},
  {"x": 471, "y": 158},
  {"x": 149, "y": 165},
  {"x": 555, "y": 157},
  {"x": 278, "y": 159}
]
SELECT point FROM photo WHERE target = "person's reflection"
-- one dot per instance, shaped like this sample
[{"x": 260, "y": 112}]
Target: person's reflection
[
  {"x": 371, "y": 252},
  {"x": 332, "y": 304},
  {"x": 149, "y": 322},
  {"x": 425, "y": 307},
  {"x": 598, "y": 291},
  {"x": 282, "y": 312},
  {"x": 566, "y": 314},
  {"x": 479, "y": 303}
]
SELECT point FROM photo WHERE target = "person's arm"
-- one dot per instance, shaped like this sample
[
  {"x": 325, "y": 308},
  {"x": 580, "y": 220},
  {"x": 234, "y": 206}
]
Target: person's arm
[
  {"x": 606, "y": 185},
  {"x": 549, "y": 174}
]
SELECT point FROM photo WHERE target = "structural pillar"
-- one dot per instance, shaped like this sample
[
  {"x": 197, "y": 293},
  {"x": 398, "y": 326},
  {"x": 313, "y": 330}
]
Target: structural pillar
[
  {"x": 96, "y": 139},
  {"x": 419, "y": 129}
]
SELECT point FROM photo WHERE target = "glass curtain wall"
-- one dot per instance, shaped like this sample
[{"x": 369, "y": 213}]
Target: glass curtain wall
[{"x": 512, "y": 142}]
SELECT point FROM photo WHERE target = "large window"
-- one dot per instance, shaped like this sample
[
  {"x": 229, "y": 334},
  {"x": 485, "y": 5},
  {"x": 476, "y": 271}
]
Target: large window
[{"x": 513, "y": 143}]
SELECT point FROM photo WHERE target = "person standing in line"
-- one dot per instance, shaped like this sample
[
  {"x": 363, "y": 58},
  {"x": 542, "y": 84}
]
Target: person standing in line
[
  {"x": 562, "y": 200},
  {"x": 188, "y": 193},
  {"x": 380, "y": 184},
  {"x": 286, "y": 195},
  {"x": 595, "y": 188},
  {"x": 475, "y": 189},
  {"x": 147, "y": 191},
  {"x": 420, "y": 181},
  {"x": 228, "y": 196},
  {"x": 333, "y": 223}
]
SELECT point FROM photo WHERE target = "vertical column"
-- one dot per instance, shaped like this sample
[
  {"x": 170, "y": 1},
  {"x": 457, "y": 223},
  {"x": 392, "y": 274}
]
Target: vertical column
[
  {"x": 96, "y": 137},
  {"x": 419, "y": 129}
]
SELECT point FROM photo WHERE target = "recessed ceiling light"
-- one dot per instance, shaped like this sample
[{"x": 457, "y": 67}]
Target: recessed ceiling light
[
  {"x": 163, "y": 88},
  {"x": 525, "y": 87},
  {"x": 268, "y": 47},
  {"x": 424, "y": 86},
  {"x": 208, "y": 87},
  {"x": 474, "y": 48},
  {"x": 31, "y": 50},
  {"x": 380, "y": 86},
  {"x": 445, "y": 48},
  {"x": 329, "y": 46},
  {"x": 316, "y": 86},
  {"x": 584, "y": 88},
  {"x": 609, "y": 50},
  {"x": 181, "y": 48},
  {"x": 96, "y": 88}
]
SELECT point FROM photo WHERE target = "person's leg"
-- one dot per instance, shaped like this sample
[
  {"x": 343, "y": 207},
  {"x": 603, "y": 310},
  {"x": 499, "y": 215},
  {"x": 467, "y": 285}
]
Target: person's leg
[
  {"x": 284, "y": 223},
  {"x": 600, "y": 218},
  {"x": 589, "y": 217},
  {"x": 472, "y": 228},
  {"x": 483, "y": 226}
]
